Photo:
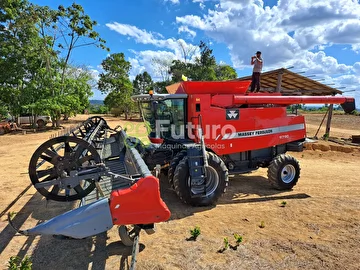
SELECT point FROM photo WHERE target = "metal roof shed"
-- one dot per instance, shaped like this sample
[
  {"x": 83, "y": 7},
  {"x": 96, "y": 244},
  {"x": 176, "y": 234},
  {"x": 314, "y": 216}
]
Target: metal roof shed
[{"x": 291, "y": 83}]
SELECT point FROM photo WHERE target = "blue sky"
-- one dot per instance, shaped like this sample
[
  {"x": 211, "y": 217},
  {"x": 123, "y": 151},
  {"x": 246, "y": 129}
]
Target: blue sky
[{"x": 316, "y": 36}]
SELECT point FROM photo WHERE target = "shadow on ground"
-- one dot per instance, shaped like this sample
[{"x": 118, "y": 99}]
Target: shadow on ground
[
  {"x": 241, "y": 189},
  {"x": 92, "y": 253},
  {"x": 53, "y": 253}
]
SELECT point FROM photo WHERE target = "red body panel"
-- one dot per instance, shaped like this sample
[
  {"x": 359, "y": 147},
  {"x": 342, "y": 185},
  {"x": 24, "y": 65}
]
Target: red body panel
[
  {"x": 255, "y": 128},
  {"x": 282, "y": 100},
  {"x": 231, "y": 87},
  {"x": 139, "y": 204},
  {"x": 156, "y": 140},
  {"x": 225, "y": 100}
]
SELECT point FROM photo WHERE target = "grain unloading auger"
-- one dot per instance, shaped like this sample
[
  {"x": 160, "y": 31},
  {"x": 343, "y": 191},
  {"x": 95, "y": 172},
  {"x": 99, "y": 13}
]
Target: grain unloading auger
[{"x": 101, "y": 167}]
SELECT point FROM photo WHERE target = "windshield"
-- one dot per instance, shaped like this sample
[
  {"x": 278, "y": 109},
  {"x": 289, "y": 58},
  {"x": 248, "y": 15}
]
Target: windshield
[{"x": 164, "y": 118}]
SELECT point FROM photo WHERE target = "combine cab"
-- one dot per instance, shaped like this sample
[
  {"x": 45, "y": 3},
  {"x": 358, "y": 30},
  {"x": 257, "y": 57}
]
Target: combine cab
[{"x": 207, "y": 130}]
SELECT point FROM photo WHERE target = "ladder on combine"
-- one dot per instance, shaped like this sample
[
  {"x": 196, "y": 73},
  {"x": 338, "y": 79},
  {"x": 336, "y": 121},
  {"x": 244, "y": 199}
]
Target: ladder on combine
[{"x": 197, "y": 161}]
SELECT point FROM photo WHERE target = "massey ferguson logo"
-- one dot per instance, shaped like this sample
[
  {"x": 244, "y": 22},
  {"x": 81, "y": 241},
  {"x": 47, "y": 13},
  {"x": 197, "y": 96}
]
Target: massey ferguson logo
[{"x": 232, "y": 114}]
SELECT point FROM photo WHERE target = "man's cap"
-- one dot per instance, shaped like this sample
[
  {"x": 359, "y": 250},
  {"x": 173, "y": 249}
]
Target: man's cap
[{"x": 258, "y": 52}]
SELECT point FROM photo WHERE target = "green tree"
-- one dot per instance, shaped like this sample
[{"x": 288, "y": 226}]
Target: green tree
[
  {"x": 36, "y": 45},
  {"x": 115, "y": 81},
  {"x": 160, "y": 87},
  {"x": 76, "y": 29},
  {"x": 18, "y": 51},
  {"x": 98, "y": 109},
  {"x": 225, "y": 72},
  {"x": 142, "y": 83},
  {"x": 179, "y": 68},
  {"x": 204, "y": 68}
]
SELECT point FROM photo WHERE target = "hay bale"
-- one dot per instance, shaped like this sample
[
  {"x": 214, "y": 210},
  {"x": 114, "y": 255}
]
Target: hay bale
[
  {"x": 324, "y": 147},
  {"x": 345, "y": 149},
  {"x": 308, "y": 146},
  {"x": 334, "y": 148},
  {"x": 316, "y": 146}
]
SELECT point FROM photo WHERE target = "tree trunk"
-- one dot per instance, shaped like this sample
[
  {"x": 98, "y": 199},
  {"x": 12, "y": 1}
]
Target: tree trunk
[
  {"x": 140, "y": 112},
  {"x": 58, "y": 122}
]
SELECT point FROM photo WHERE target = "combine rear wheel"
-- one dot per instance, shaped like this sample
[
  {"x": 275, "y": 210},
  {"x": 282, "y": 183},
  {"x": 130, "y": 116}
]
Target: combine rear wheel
[
  {"x": 284, "y": 172},
  {"x": 216, "y": 182},
  {"x": 174, "y": 162}
]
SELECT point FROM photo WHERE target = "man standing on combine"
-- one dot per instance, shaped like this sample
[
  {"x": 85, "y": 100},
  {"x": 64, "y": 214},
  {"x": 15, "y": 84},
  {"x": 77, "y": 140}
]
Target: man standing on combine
[{"x": 258, "y": 64}]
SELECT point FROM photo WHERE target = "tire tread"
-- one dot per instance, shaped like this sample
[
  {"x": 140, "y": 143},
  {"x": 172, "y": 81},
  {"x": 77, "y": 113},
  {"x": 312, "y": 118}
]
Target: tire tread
[
  {"x": 273, "y": 170},
  {"x": 183, "y": 166}
]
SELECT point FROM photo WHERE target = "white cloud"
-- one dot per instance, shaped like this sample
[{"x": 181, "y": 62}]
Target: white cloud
[
  {"x": 145, "y": 37},
  {"x": 320, "y": 63},
  {"x": 171, "y": 48},
  {"x": 247, "y": 26},
  {"x": 356, "y": 47},
  {"x": 351, "y": 83},
  {"x": 94, "y": 74},
  {"x": 356, "y": 68},
  {"x": 173, "y": 1},
  {"x": 144, "y": 61},
  {"x": 193, "y": 21},
  {"x": 348, "y": 80},
  {"x": 139, "y": 35},
  {"x": 186, "y": 29}
]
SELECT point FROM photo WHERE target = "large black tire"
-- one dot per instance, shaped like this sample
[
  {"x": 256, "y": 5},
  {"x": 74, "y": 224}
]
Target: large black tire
[
  {"x": 284, "y": 172},
  {"x": 217, "y": 182},
  {"x": 173, "y": 164},
  {"x": 40, "y": 123}
]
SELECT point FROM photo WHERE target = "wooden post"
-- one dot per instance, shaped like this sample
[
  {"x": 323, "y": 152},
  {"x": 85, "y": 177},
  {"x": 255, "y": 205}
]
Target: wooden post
[
  {"x": 328, "y": 123},
  {"x": 279, "y": 80}
]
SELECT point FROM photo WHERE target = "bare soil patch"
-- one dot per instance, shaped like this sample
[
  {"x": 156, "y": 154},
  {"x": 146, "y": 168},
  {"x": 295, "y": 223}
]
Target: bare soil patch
[{"x": 342, "y": 126}]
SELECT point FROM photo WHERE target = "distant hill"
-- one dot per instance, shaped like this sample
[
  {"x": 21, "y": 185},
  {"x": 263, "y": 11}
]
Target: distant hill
[{"x": 96, "y": 102}]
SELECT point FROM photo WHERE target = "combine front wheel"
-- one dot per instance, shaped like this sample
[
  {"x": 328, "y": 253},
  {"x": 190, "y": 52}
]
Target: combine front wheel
[
  {"x": 284, "y": 172},
  {"x": 216, "y": 182}
]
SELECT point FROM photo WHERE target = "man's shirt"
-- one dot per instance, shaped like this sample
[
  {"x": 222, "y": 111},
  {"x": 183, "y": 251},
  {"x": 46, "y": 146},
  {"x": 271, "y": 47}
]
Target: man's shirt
[{"x": 258, "y": 65}]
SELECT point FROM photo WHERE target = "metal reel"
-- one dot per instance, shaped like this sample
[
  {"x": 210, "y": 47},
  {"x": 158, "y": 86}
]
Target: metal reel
[
  {"x": 96, "y": 119},
  {"x": 56, "y": 165}
]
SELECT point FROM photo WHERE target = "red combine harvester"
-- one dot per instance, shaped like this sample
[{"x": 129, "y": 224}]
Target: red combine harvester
[
  {"x": 207, "y": 130},
  {"x": 200, "y": 134}
]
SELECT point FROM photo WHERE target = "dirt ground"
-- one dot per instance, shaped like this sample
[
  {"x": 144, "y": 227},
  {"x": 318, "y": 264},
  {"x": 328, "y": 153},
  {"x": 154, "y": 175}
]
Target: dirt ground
[{"x": 319, "y": 228}]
